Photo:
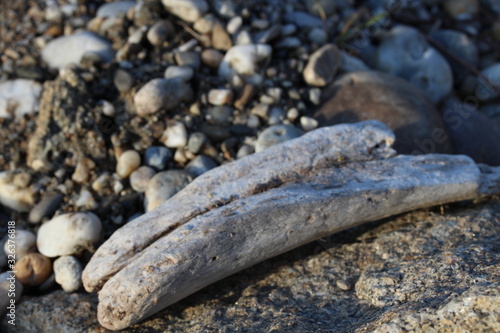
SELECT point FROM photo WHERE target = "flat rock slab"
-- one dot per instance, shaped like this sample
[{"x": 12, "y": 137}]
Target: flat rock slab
[{"x": 422, "y": 270}]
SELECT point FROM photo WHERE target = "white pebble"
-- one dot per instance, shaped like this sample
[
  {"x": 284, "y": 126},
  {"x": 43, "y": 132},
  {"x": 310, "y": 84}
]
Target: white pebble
[
  {"x": 220, "y": 96},
  {"x": 23, "y": 243},
  {"x": 244, "y": 60},
  {"x": 19, "y": 97},
  {"x": 14, "y": 197},
  {"x": 128, "y": 161},
  {"x": 139, "y": 178},
  {"x": 308, "y": 123},
  {"x": 68, "y": 273},
  {"x": 68, "y": 234},
  {"x": 188, "y": 10},
  {"x": 163, "y": 186},
  {"x": 175, "y": 135}
]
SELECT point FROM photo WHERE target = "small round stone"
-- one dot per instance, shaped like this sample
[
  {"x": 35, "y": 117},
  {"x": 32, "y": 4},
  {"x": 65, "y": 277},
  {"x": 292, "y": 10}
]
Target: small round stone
[
  {"x": 68, "y": 273},
  {"x": 123, "y": 80},
  {"x": 175, "y": 135},
  {"x": 164, "y": 185},
  {"x": 68, "y": 234},
  {"x": 24, "y": 243},
  {"x": 276, "y": 134},
  {"x": 196, "y": 142},
  {"x": 199, "y": 165},
  {"x": 220, "y": 96},
  {"x": 322, "y": 66},
  {"x": 160, "y": 32},
  {"x": 211, "y": 58},
  {"x": 308, "y": 123},
  {"x": 139, "y": 179},
  {"x": 344, "y": 284},
  {"x": 185, "y": 73},
  {"x": 33, "y": 269},
  {"x": 128, "y": 161},
  {"x": 157, "y": 157}
]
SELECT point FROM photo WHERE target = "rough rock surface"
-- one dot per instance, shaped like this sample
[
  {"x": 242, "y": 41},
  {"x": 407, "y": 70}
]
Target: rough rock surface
[
  {"x": 367, "y": 95},
  {"x": 436, "y": 268},
  {"x": 66, "y": 125}
]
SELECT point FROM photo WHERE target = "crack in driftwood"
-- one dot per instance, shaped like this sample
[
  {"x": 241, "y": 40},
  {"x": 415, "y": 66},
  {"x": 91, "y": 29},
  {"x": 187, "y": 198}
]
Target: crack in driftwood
[{"x": 288, "y": 195}]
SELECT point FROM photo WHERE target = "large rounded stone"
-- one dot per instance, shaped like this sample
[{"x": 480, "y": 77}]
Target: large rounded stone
[{"x": 405, "y": 109}]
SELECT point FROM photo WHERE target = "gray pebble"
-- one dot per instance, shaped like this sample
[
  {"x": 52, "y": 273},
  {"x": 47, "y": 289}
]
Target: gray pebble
[
  {"x": 139, "y": 179},
  {"x": 322, "y": 66},
  {"x": 47, "y": 206},
  {"x": 188, "y": 58},
  {"x": 160, "y": 32},
  {"x": 164, "y": 185},
  {"x": 68, "y": 273},
  {"x": 219, "y": 115},
  {"x": 199, "y": 165},
  {"x": 245, "y": 150},
  {"x": 196, "y": 142},
  {"x": 276, "y": 134},
  {"x": 157, "y": 157},
  {"x": 185, "y": 73},
  {"x": 160, "y": 94}
]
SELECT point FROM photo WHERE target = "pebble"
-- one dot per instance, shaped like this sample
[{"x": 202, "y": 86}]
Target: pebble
[
  {"x": 188, "y": 58},
  {"x": 107, "y": 108},
  {"x": 234, "y": 25},
  {"x": 68, "y": 273},
  {"x": 219, "y": 115},
  {"x": 211, "y": 58},
  {"x": 9, "y": 282},
  {"x": 160, "y": 94},
  {"x": 303, "y": 20},
  {"x": 184, "y": 73},
  {"x": 33, "y": 269},
  {"x": 315, "y": 96},
  {"x": 460, "y": 45},
  {"x": 292, "y": 114},
  {"x": 483, "y": 91},
  {"x": 205, "y": 24},
  {"x": 68, "y": 234},
  {"x": 47, "y": 206},
  {"x": 322, "y": 66},
  {"x": 276, "y": 134},
  {"x": 344, "y": 284},
  {"x": 75, "y": 46},
  {"x": 406, "y": 53},
  {"x": 187, "y": 10},
  {"x": 261, "y": 110},
  {"x": 101, "y": 182},
  {"x": 82, "y": 170},
  {"x": 308, "y": 123},
  {"x": 123, "y": 80},
  {"x": 289, "y": 43},
  {"x": 196, "y": 142},
  {"x": 19, "y": 97},
  {"x": 266, "y": 36},
  {"x": 157, "y": 157},
  {"x": 25, "y": 243},
  {"x": 86, "y": 200},
  {"x": 318, "y": 36},
  {"x": 220, "y": 96},
  {"x": 164, "y": 185},
  {"x": 244, "y": 60},
  {"x": 220, "y": 38},
  {"x": 14, "y": 197},
  {"x": 360, "y": 96},
  {"x": 114, "y": 9},
  {"x": 245, "y": 150},
  {"x": 199, "y": 165},
  {"x": 128, "y": 161},
  {"x": 139, "y": 178},
  {"x": 175, "y": 135},
  {"x": 160, "y": 32}
]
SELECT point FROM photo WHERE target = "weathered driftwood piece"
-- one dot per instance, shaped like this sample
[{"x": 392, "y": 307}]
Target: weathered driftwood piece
[
  {"x": 296, "y": 205},
  {"x": 287, "y": 162}
]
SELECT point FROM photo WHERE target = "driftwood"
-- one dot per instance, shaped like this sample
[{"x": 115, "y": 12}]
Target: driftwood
[{"x": 342, "y": 176}]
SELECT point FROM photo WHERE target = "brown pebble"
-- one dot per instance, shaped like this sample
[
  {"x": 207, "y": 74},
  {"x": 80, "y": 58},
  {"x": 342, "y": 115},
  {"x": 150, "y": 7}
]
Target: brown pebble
[
  {"x": 33, "y": 269},
  {"x": 344, "y": 284}
]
